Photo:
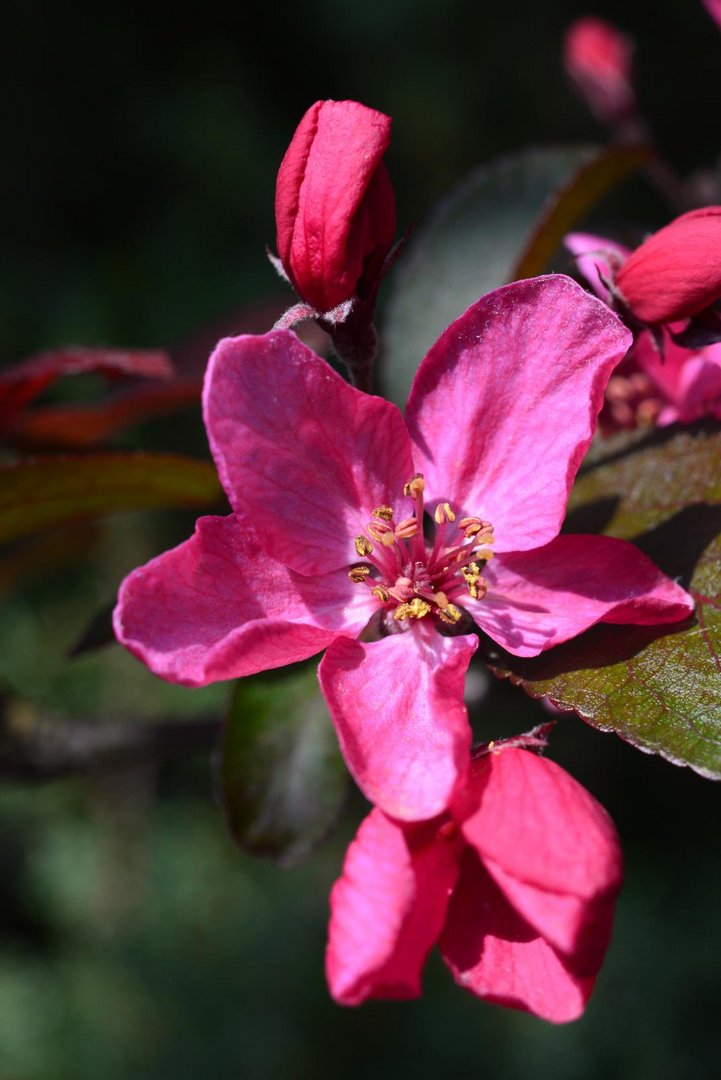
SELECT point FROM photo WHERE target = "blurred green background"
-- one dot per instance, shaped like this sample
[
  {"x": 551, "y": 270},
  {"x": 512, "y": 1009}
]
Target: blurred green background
[{"x": 141, "y": 144}]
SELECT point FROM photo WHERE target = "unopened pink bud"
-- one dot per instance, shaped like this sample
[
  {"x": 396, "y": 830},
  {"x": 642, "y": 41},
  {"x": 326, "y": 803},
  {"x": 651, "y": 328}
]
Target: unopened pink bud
[
  {"x": 334, "y": 205},
  {"x": 597, "y": 58},
  {"x": 676, "y": 273}
]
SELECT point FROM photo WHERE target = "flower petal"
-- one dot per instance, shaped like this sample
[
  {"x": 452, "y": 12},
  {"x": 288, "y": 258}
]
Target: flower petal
[
  {"x": 495, "y": 954},
  {"x": 551, "y": 848},
  {"x": 300, "y": 452},
  {"x": 537, "y": 599},
  {"x": 398, "y": 709},
  {"x": 217, "y": 608},
  {"x": 486, "y": 405},
  {"x": 388, "y": 909},
  {"x": 596, "y": 256}
]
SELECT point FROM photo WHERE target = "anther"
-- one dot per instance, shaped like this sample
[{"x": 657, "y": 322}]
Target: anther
[
  {"x": 385, "y": 513},
  {"x": 382, "y": 593},
  {"x": 450, "y": 614},
  {"x": 415, "y": 487},
  {"x": 363, "y": 546},
  {"x": 358, "y": 574},
  {"x": 443, "y": 513},
  {"x": 406, "y": 529},
  {"x": 381, "y": 531},
  {"x": 417, "y": 609}
]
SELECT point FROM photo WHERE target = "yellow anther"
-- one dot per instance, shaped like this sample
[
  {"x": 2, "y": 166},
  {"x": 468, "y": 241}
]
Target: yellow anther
[
  {"x": 451, "y": 614},
  {"x": 485, "y": 554},
  {"x": 471, "y": 530},
  {"x": 415, "y": 487},
  {"x": 443, "y": 513},
  {"x": 441, "y": 599},
  {"x": 385, "y": 513},
  {"x": 358, "y": 574},
  {"x": 471, "y": 573},
  {"x": 417, "y": 609},
  {"x": 382, "y": 593},
  {"x": 478, "y": 589},
  {"x": 363, "y": 545}
]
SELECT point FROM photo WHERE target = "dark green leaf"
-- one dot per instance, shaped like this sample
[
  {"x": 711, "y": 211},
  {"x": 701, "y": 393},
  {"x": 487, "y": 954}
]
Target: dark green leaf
[
  {"x": 40, "y": 493},
  {"x": 659, "y": 688},
  {"x": 470, "y": 246},
  {"x": 281, "y": 775}
]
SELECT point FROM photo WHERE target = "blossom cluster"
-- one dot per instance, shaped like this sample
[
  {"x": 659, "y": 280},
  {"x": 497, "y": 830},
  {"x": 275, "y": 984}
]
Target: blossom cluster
[{"x": 391, "y": 539}]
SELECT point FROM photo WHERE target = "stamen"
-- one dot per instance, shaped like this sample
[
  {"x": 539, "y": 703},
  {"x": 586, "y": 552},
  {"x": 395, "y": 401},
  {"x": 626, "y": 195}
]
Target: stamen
[
  {"x": 443, "y": 513},
  {"x": 363, "y": 546},
  {"x": 382, "y": 532},
  {"x": 415, "y": 487},
  {"x": 450, "y": 614},
  {"x": 358, "y": 574},
  {"x": 417, "y": 609},
  {"x": 406, "y": 529},
  {"x": 382, "y": 593},
  {"x": 385, "y": 513}
]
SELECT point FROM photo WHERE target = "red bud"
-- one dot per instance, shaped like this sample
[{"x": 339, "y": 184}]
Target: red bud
[
  {"x": 334, "y": 205},
  {"x": 676, "y": 273},
  {"x": 597, "y": 57}
]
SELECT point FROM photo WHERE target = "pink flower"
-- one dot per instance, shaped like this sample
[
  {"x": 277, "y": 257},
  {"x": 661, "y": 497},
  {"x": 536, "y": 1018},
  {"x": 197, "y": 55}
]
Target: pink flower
[
  {"x": 650, "y": 386},
  {"x": 517, "y": 884},
  {"x": 597, "y": 58},
  {"x": 328, "y": 488},
  {"x": 334, "y": 206}
]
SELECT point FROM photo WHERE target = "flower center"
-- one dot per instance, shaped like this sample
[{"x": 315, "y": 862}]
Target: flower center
[{"x": 412, "y": 580}]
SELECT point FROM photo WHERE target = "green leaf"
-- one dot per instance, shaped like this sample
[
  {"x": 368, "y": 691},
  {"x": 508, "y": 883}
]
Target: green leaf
[
  {"x": 470, "y": 246},
  {"x": 281, "y": 775},
  {"x": 40, "y": 493},
  {"x": 659, "y": 688}
]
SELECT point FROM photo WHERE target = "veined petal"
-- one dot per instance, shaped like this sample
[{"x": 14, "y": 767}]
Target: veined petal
[
  {"x": 505, "y": 405},
  {"x": 398, "y": 709},
  {"x": 216, "y": 607},
  {"x": 300, "y": 452},
  {"x": 493, "y": 952},
  {"x": 551, "y": 848},
  {"x": 388, "y": 909},
  {"x": 537, "y": 599}
]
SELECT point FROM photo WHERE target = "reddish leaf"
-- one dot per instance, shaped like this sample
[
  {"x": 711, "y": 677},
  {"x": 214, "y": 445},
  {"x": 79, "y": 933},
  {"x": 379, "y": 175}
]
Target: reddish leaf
[
  {"x": 41, "y": 493},
  {"x": 19, "y": 385}
]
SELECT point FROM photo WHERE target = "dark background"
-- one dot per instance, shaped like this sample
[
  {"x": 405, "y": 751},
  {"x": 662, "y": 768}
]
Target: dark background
[{"x": 140, "y": 145}]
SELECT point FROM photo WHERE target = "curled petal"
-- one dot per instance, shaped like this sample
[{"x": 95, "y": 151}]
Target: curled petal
[
  {"x": 398, "y": 709},
  {"x": 552, "y": 850},
  {"x": 388, "y": 909},
  {"x": 300, "y": 452},
  {"x": 493, "y": 952},
  {"x": 537, "y": 599},
  {"x": 216, "y": 607},
  {"x": 485, "y": 405}
]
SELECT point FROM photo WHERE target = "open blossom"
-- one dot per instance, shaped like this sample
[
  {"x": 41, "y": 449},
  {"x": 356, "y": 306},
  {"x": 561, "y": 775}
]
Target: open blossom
[
  {"x": 650, "y": 386},
  {"x": 598, "y": 58},
  {"x": 329, "y": 488},
  {"x": 334, "y": 205},
  {"x": 516, "y": 883}
]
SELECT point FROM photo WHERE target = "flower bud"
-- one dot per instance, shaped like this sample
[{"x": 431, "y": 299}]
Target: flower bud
[
  {"x": 676, "y": 273},
  {"x": 597, "y": 58},
  {"x": 334, "y": 205}
]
